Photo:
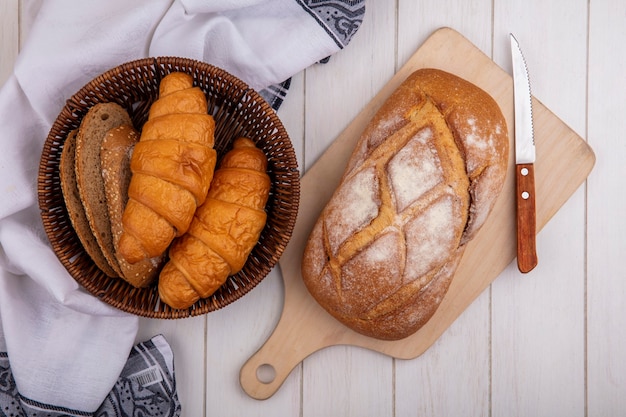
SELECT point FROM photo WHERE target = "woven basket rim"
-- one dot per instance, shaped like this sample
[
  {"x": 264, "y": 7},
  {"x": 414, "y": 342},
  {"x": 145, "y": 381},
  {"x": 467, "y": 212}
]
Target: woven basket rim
[{"x": 236, "y": 108}]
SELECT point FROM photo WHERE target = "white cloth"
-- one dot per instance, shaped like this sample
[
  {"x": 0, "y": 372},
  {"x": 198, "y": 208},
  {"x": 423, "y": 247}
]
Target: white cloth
[{"x": 65, "y": 347}]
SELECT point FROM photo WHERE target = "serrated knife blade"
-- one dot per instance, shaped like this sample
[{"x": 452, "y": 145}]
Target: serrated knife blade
[{"x": 524, "y": 162}]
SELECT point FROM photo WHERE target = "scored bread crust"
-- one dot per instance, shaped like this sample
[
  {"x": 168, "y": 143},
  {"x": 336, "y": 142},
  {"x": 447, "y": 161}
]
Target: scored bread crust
[{"x": 418, "y": 186}]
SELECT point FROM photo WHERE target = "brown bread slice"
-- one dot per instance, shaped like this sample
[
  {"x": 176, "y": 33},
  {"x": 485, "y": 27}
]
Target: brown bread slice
[
  {"x": 74, "y": 206},
  {"x": 115, "y": 152},
  {"x": 97, "y": 122}
]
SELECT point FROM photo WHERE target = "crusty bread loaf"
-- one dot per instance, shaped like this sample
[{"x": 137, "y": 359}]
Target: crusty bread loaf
[
  {"x": 224, "y": 229},
  {"x": 420, "y": 183},
  {"x": 115, "y": 152},
  {"x": 101, "y": 118},
  {"x": 74, "y": 205}
]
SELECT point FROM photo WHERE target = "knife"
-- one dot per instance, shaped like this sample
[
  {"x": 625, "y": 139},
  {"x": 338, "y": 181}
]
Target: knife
[{"x": 524, "y": 162}]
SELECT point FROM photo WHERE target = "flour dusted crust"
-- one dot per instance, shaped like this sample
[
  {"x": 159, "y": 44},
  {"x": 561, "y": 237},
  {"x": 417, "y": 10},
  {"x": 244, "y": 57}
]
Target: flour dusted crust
[{"x": 419, "y": 185}]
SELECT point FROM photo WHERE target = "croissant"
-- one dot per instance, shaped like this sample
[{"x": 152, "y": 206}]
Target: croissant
[
  {"x": 172, "y": 166},
  {"x": 224, "y": 229}
]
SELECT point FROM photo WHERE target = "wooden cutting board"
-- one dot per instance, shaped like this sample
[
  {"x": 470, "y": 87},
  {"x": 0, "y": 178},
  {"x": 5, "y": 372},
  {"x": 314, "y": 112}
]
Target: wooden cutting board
[{"x": 564, "y": 160}]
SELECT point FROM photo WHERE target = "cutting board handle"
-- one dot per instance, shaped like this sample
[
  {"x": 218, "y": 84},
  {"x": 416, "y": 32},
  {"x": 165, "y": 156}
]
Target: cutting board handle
[
  {"x": 303, "y": 328},
  {"x": 264, "y": 373}
]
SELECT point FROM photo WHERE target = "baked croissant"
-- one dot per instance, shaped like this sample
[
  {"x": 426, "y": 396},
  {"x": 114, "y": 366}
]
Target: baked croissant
[
  {"x": 172, "y": 166},
  {"x": 224, "y": 229}
]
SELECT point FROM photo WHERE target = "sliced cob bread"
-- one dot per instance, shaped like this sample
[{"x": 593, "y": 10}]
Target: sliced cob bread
[
  {"x": 97, "y": 122},
  {"x": 115, "y": 152},
  {"x": 75, "y": 207}
]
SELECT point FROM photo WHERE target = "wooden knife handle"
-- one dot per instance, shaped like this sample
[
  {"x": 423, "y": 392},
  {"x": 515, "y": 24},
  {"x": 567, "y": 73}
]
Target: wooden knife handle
[{"x": 526, "y": 222}]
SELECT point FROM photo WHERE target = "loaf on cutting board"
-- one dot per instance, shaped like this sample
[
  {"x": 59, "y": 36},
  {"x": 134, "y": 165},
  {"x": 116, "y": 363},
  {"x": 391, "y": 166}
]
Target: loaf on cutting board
[{"x": 419, "y": 185}]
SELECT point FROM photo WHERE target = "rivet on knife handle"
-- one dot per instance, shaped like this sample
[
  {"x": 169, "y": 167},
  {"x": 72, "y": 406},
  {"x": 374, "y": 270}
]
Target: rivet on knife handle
[{"x": 526, "y": 223}]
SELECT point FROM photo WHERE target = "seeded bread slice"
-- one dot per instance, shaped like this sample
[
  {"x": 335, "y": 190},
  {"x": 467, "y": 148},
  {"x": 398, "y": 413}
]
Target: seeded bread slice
[
  {"x": 115, "y": 155},
  {"x": 74, "y": 206},
  {"x": 97, "y": 122}
]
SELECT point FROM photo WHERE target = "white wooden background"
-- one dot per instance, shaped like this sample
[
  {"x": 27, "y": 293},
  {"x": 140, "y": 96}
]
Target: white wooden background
[{"x": 552, "y": 343}]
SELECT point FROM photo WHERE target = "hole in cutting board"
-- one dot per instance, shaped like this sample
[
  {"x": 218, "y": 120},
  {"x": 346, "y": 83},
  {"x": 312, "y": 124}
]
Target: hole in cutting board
[{"x": 265, "y": 373}]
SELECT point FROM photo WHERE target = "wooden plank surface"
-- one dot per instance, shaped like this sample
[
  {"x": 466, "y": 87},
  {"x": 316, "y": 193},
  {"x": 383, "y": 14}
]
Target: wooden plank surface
[
  {"x": 365, "y": 378},
  {"x": 540, "y": 347},
  {"x": 564, "y": 161},
  {"x": 525, "y": 344},
  {"x": 606, "y": 203},
  {"x": 459, "y": 363},
  {"x": 9, "y": 37}
]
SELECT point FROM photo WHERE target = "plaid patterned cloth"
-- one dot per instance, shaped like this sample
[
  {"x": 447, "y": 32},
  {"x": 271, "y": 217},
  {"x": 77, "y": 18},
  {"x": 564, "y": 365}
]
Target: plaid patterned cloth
[
  {"x": 146, "y": 387},
  {"x": 339, "y": 18}
]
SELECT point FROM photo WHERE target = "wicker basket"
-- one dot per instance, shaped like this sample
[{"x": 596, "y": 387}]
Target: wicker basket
[{"x": 238, "y": 111}]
